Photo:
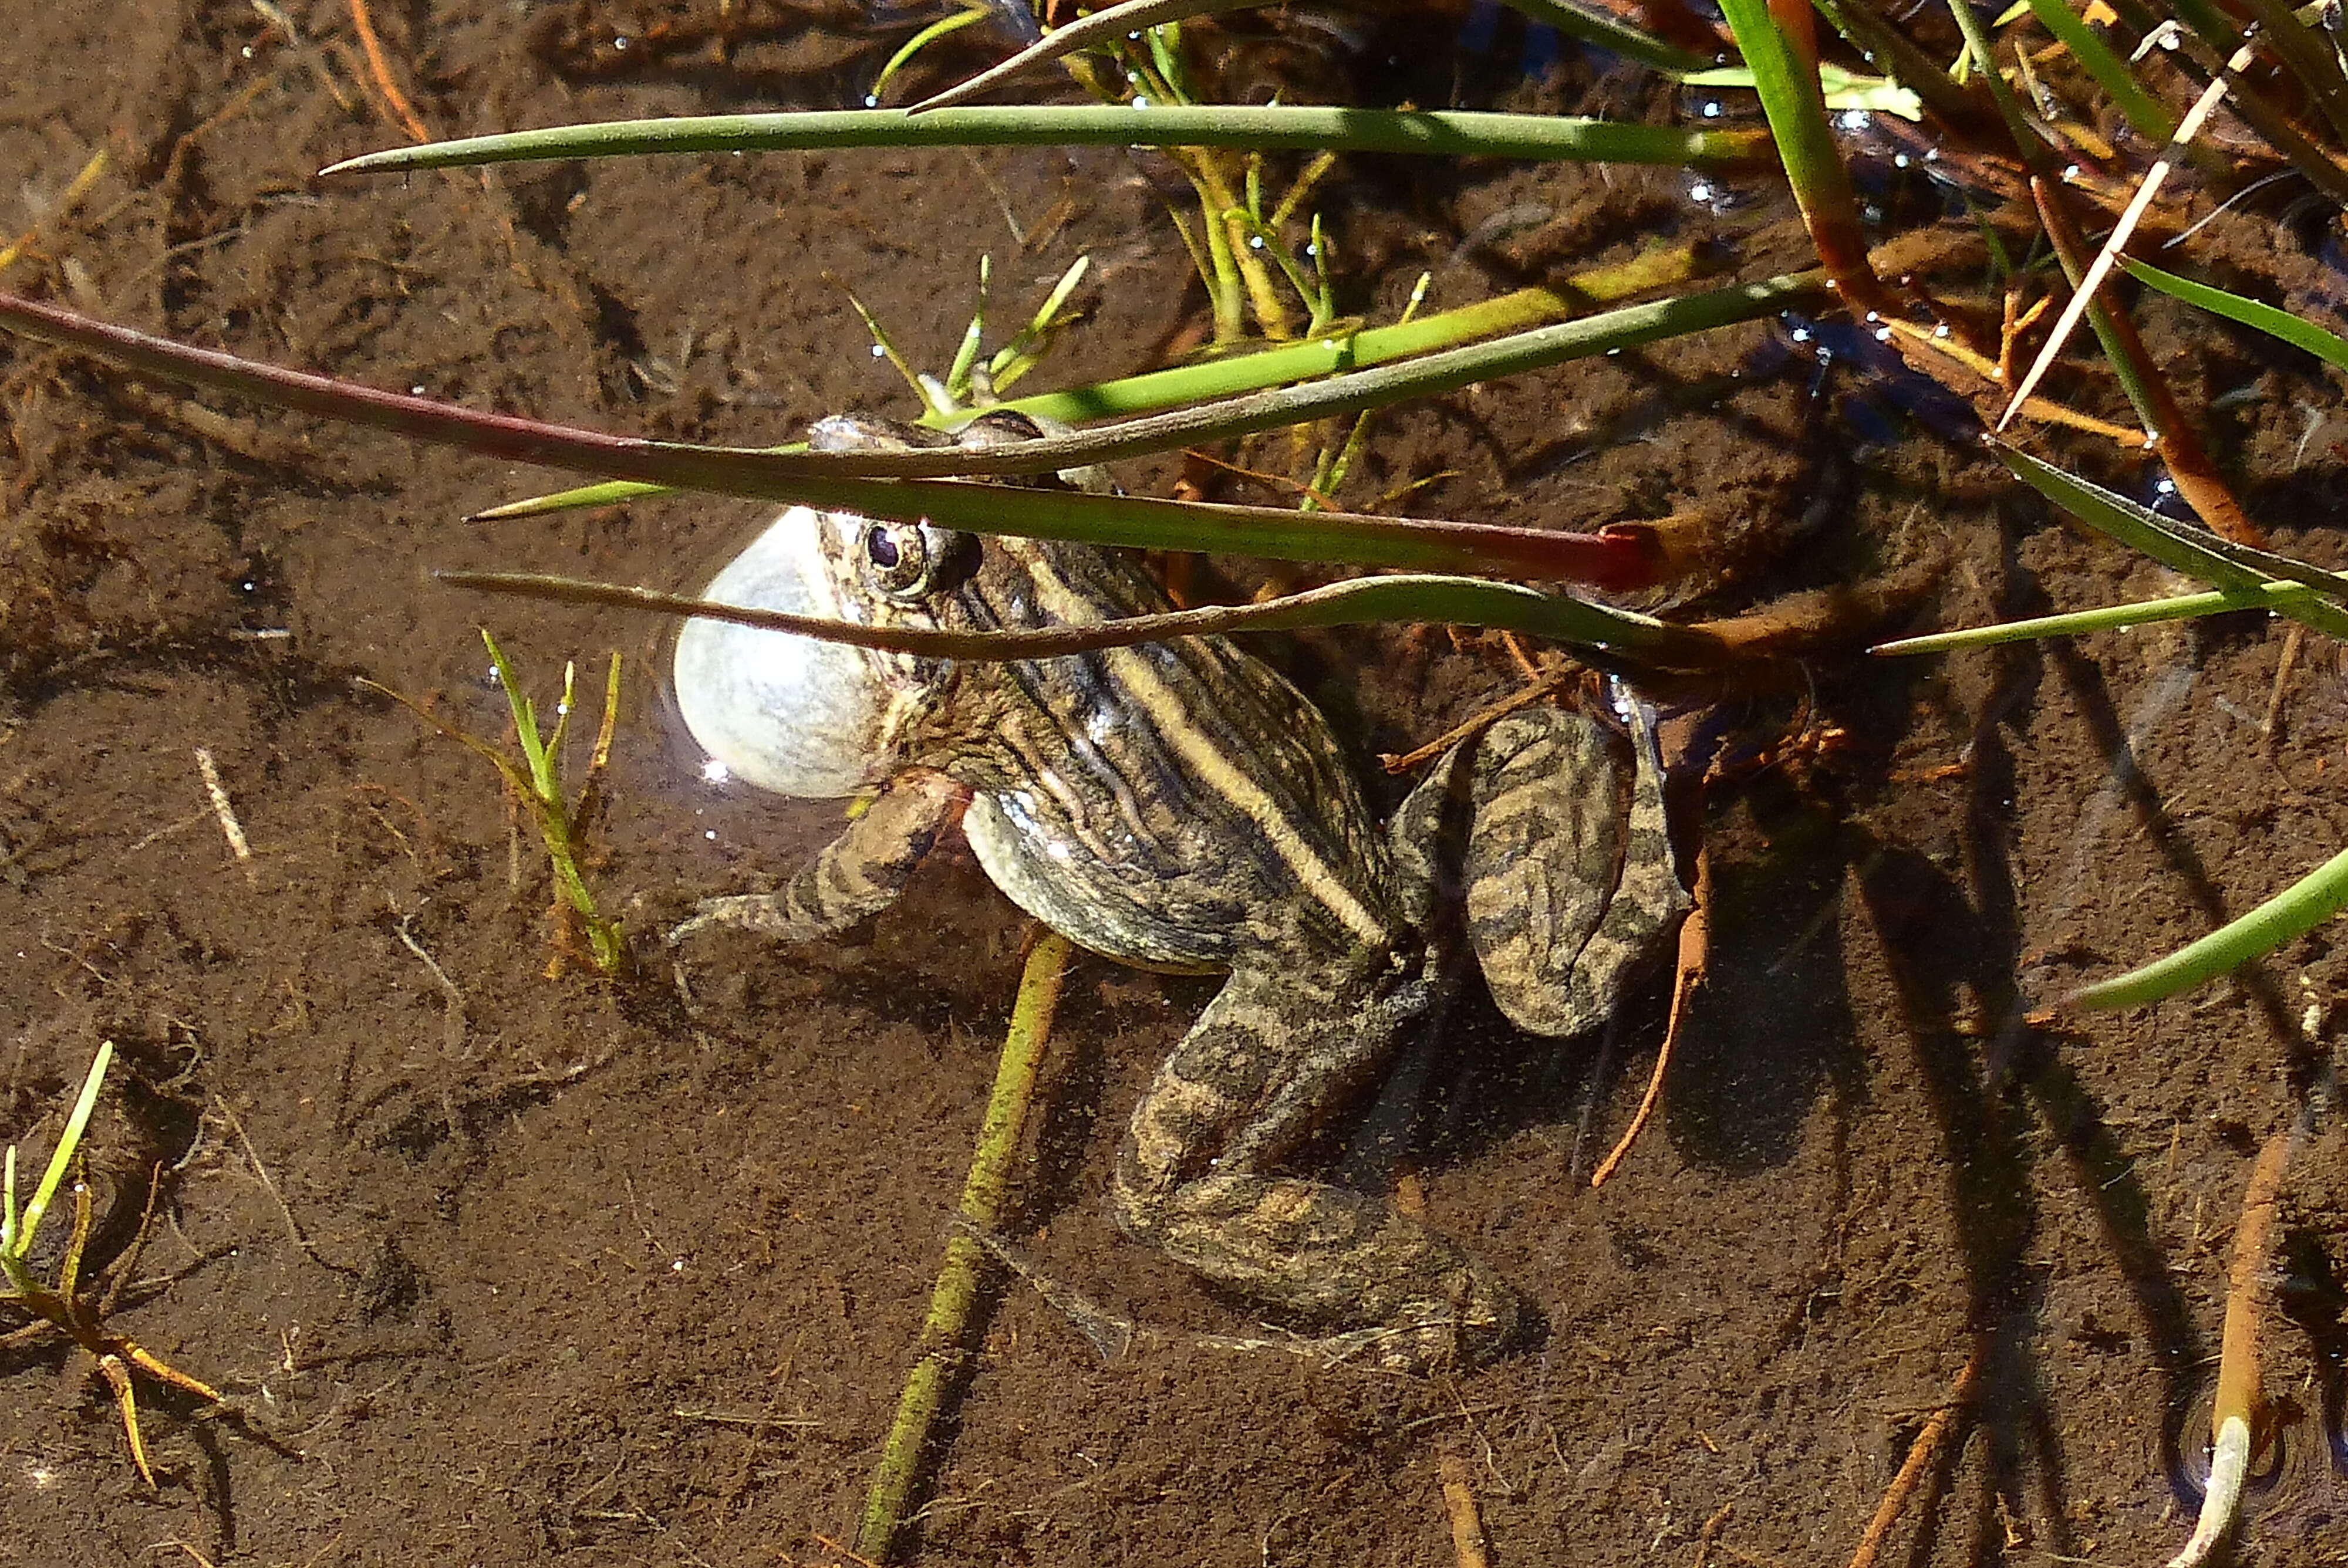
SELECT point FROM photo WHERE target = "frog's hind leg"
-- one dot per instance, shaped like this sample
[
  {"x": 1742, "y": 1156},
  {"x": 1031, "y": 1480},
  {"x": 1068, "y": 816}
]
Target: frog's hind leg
[
  {"x": 1570, "y": 892},
  {"x": 1270, "y": 1055},
  {"x": 853, "y": 878}
]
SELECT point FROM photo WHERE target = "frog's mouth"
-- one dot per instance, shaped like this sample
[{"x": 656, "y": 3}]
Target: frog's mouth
[{"x": 795, "y": 715}]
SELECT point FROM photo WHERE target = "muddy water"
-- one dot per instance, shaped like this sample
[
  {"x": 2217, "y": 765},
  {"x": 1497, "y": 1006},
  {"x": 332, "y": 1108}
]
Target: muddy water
[{"x": 513, "y": 1270}]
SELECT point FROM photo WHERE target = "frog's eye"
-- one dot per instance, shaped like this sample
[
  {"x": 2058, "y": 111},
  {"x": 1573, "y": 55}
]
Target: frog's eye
[
  {"x": 909, "y": 562},
  {"x": 897, "y": 559}
]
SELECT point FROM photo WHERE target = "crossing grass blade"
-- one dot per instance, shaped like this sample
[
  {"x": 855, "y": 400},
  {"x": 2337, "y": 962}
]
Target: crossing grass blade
[
  {"x": 2301, "y": 333},
  {"x": 1436, "y": 133}
]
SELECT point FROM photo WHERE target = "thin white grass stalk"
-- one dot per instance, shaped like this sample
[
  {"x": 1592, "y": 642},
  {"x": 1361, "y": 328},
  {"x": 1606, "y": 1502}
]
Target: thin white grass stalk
[
  {"x": 2122, "y": 232},
  {"x": 2235, "y": 1408},
  {"x": 224, "y": 809},
  {"x": 2221, "y": 1504}
]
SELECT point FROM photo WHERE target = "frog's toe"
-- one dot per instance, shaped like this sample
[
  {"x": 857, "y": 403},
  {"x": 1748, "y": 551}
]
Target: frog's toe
[
  {"x": 1486, "y": 1318},
  {"x": 761, "y": 912}
]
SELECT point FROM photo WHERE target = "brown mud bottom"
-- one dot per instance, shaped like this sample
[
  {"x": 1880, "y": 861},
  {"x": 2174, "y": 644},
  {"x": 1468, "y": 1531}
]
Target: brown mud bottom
[{"x": 506, "y": 1270}]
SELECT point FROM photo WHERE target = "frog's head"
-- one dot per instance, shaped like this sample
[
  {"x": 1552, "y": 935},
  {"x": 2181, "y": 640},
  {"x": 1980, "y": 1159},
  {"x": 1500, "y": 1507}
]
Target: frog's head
[{"x": 798, "y": 715}]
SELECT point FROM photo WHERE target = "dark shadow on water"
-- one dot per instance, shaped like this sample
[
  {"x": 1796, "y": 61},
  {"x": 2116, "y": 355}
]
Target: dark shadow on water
[{"x": 1770, "y": 1029}]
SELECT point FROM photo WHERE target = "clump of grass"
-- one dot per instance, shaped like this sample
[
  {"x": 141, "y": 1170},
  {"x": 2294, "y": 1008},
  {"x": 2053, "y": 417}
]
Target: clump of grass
[
  {"x": 61, "y": 1305},
  {"x": 563, "y": 819}
]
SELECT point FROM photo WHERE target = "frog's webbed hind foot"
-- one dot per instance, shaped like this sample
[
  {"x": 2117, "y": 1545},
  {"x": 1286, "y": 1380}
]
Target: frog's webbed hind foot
[
  {"x": 1115, "y": 1336},
  {"x": 1273, "y": 1055},
  {"x": 850, "y": 879},
  {"x": 1570, "y": 893},
  {"x": 1334, "y": 1255}
]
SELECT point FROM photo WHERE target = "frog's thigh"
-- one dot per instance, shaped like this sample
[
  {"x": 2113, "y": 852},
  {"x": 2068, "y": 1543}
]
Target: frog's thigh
[
  {"x": 1567, "y": 891},
  {"x": 853, "y": 878},
  {"x": 1265, "y": 1060}
]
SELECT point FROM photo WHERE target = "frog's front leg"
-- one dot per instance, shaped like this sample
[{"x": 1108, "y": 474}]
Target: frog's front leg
[
  {"x": 1272, "y": 1052},
  {"x": 853, "y": 878}
]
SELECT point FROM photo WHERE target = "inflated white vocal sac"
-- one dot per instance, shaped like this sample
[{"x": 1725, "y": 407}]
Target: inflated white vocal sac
[{"x": 793, "y": 714}]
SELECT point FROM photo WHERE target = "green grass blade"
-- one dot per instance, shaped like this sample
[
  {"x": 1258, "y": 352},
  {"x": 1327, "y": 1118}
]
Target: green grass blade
[
  {"x": 1788, "y": 82},
  {"x": 1417, "y": 597},
  {"x": 2150, "y": 118},
  {"x": 2330, "y": 347},
  {"x": 517, "y": 779},
  {"x": 953, "y": 1300},
  {"x": 2208, "y": 558},
  {"x": 1262, "y": 369},
  {"x": 1138, "y": 521},
  {"x": 608, "y": 493},
  {"x": 10, "y": 1255},
  {"x": 1013, "y": 360},
  {"x": 1339, "y": 395},
  {"x": 966, "y": 352},
  {"x": 2314, "y": 899},
  {"x": 1356, "y": 392},
  {"x": 2293, "y": 912},
  {"x": 953, "y": 22},
  {"x": 69, "y": 1140},
  {"x": 1983, "y": 52},
  {"x": 2110, "y": 618},
  {"x": 525, "y": 719},
  {"x": 1436, "y": 133}
]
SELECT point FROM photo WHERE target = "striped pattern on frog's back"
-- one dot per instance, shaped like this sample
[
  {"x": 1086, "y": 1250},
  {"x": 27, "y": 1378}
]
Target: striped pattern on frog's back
[{"x": 1161, "y": 803}]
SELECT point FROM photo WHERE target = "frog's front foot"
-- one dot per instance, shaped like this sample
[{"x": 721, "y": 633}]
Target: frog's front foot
[{"x": 850, "y": 879}]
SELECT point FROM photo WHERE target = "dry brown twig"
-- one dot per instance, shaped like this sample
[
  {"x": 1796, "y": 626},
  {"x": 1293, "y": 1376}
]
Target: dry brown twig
[
  {"x": 380, "y": 68},
  {"x": 1922, "y": 1453},
  {"x": 1467, "y": 1543},
  {"x": 1710, "y": 1534},
  {"x": 1695, "y": 945}
]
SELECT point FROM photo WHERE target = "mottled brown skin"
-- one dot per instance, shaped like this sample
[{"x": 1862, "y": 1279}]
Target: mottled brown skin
[{"x": 1179, "y": 806}]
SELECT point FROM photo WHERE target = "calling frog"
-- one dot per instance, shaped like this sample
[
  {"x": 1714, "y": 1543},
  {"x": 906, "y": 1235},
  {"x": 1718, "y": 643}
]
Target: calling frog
[{"x": 1179, "y": 806}]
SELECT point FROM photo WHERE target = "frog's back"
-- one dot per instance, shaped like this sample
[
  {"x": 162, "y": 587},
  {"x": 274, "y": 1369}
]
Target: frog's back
[{"x": 1170, "y": 803}]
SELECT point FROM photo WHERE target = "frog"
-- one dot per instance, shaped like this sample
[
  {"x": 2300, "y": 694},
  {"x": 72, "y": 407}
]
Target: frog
[{"x": 1181, "y": 806}]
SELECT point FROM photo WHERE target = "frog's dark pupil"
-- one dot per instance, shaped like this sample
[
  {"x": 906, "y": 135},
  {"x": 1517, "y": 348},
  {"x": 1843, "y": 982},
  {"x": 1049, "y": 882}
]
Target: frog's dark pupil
[{"x": 880, "y": 547}]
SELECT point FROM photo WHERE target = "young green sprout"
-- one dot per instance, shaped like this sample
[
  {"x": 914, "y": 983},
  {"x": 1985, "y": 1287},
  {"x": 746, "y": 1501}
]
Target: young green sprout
[
  {"x": 536, "y": 782},
  {"x": 62, "y": 1305},
  {"x": 972, "y": 382}
]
